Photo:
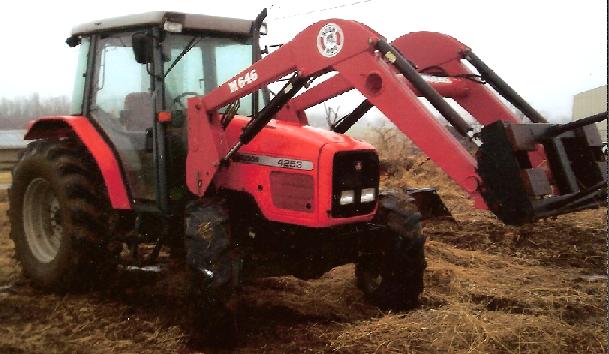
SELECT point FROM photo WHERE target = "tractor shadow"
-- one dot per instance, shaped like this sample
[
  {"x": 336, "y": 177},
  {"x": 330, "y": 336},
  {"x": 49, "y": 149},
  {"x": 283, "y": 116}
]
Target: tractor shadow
[{"x": 268, "y": 308}]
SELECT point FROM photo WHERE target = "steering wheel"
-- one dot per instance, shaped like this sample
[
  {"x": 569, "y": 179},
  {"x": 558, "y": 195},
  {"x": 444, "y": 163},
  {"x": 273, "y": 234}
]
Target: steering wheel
[{"x": 177, "y": 101}]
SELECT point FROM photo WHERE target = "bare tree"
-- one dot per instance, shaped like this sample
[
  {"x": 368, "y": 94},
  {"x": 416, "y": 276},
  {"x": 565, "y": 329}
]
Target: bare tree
[
  {"x": 15, "y": 113},
  {"x": 331, "y": 115},
  {"x": 391, "y": 143}
]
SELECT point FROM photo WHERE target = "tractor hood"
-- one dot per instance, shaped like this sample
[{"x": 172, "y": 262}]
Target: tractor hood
[
  {"x": 291, "y": 171},
  {"x": 282, "y": 139}
]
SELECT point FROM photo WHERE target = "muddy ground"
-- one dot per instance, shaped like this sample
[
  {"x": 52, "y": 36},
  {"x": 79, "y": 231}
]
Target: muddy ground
[{"x": 490, "y": 288}]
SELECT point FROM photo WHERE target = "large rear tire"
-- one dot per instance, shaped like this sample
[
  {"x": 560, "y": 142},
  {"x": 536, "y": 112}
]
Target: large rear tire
[
  {"x": 58, "y": 215},
  {"x": 391, "y": 264}
]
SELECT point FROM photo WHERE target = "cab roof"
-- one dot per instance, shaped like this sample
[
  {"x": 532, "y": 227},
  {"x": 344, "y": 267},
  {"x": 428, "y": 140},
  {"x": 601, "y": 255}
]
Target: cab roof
[{"x": 158, "y": 18}]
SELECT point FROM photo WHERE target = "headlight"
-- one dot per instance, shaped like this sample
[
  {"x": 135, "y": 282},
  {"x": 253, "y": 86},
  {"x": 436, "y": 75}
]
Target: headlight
[
  {"x": 175, "y": 27},
  {"x": 368, "y": 195},
  {"x": 347, "y": 197}
]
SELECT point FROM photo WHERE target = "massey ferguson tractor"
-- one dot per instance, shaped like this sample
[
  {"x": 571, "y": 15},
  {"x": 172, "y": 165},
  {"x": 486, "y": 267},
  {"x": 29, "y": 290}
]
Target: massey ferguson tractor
[{"x": 174, "y": 142}]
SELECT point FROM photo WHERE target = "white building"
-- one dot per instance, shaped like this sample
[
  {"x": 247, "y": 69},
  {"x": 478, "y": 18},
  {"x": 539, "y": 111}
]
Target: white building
[{"x": 591, "y": 102}]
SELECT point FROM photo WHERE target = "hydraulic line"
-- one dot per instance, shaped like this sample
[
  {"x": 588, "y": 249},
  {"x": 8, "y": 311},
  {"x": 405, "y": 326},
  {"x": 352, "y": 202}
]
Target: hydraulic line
[
  {"x": 346, "y": 122},
  {"x": 411, "y": 74},
  {"x": 256, "y": 124},
  {"x": 503, "y": 88},
  {"x": 577, "y": 124}
]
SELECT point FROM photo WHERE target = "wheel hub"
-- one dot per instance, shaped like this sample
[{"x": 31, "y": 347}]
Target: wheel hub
[{"x": 42, "y": 220}]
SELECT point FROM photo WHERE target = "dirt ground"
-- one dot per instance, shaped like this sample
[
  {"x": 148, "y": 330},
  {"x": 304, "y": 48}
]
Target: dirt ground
[{"x": 490, "y": 288}]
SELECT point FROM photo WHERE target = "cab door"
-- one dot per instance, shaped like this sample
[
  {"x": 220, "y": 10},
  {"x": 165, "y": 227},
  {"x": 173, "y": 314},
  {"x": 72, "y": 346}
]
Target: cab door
[{"x": 122, "y": 105}]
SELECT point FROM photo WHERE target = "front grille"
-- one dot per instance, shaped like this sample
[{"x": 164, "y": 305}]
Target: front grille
[{"x": 354, "y": 170}]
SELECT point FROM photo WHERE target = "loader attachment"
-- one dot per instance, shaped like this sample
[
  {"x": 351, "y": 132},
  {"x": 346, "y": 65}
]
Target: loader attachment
[
  {"x": 518, "y": 192},
  {"x": 527, "y": 171},
  {"x": 429, "y": 203}
]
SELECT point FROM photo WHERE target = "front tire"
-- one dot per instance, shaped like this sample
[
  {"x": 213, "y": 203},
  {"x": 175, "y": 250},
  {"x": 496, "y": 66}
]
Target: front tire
[
  {"x": 391, "y": 264},
  {"x": 215, "y": 267},
  {"x": 58, "y": 212}
]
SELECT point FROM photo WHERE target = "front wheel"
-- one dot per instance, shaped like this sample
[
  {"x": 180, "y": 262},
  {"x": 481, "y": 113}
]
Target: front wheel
[
  {"x": 215, "y": 267},
  {"x": 391, "y": 264}
]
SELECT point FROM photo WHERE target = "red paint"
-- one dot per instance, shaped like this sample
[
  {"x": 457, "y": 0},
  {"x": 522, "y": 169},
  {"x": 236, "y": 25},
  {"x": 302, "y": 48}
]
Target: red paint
[
  {"x": 337, "y": 85},
  {"x": 299, "y": 55},
  {"x": 437, "y": 52},
  {"x": 443, "y": 53},
  {"x": 206, "y": 143},
  {"x": 63, "y": 126},
  {"x": 402, "y": 106},
  {"x": 358, "y": 66},
  {"x": 164, "y": 117},
  {"x": 292, "y": 191},
  {"x": 293, "y": 141}
]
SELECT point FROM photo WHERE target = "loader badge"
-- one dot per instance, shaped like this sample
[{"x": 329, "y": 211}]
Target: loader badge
[{"x": 330, "y": 40}]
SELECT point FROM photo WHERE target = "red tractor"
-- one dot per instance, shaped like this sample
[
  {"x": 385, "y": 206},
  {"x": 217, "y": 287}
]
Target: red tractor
[{"x": 174, "y": 140}]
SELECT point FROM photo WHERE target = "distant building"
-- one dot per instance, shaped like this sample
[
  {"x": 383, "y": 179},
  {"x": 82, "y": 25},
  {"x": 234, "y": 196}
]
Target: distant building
[
  {"x": 591, "y": 102},
  {"x": 11, "y": 145}
]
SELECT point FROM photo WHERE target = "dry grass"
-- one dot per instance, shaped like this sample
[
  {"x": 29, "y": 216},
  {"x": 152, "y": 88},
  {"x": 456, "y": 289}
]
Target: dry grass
[
  {"x": 477, "y": 303},
  {"x": 490, "y": 288},
  {"x": 5, "y": 177}
]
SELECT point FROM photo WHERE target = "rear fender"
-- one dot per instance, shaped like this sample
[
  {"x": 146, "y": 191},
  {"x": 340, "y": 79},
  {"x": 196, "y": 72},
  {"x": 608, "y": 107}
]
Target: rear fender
[{"x": 64, "y": 126}]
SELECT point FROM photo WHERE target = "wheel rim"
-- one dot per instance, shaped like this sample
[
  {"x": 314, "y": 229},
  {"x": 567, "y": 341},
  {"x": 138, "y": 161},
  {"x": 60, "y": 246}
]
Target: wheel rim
[
  {"x": 371, "y": 276},
  {"x": 372, "y": 280},
  {"x": 42, "y": 220}
]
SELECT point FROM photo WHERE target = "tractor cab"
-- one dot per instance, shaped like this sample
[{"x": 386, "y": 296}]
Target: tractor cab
[{"x": 133, "y": 68}]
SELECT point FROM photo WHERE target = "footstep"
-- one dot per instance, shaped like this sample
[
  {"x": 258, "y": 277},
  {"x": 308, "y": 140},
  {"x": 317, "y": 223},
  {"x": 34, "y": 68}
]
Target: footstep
[{"x": 6, "y": 289}]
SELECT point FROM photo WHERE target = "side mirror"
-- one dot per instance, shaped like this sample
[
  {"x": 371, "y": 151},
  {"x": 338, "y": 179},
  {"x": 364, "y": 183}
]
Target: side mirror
[
  {"x": 142, "y": 47},
  {"x": 73, "y": 41}
]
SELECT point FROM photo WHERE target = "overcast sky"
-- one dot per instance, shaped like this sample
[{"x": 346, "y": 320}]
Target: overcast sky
[{"x": 547, "y": 50}]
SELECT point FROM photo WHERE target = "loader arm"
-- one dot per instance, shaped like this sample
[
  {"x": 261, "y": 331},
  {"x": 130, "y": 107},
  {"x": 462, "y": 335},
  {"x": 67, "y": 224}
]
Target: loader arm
[
  {"x": 363, "y": 68},
  {"x": 513, "y": 174},
  {"x": 439, "y": 58}
]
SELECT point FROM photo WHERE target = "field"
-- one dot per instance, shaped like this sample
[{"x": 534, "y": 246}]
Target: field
[
  {"x": 490, "y": 288},
  {"x": 5, "y": 178}
]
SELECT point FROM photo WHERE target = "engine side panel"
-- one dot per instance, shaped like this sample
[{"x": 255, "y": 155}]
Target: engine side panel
[{"x": 287, "y": 169}]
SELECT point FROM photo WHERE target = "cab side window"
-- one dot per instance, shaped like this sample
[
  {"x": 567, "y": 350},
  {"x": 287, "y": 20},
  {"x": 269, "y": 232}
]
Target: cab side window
[{"x": 122, "y": 86}]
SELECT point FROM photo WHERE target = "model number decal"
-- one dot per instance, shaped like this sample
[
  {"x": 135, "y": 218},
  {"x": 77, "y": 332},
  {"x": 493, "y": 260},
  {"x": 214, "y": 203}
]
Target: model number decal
[
  {"x": 241, "y": 81},
  {"x": 287, "y": 163},
  {"x": 274, "y": 161}
]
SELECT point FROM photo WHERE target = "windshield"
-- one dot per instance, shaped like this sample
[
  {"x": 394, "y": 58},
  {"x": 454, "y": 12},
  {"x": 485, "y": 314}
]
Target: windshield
[{"x": 210, "y": 62}]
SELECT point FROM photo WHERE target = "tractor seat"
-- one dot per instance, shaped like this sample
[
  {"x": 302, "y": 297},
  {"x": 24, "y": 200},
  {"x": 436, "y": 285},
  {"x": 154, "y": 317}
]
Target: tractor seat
[{"x": 138, "y": 111}]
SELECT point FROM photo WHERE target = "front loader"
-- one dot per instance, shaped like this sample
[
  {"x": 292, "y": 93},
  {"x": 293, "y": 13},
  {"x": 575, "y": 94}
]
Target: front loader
[{"x": 174, "y": 141}]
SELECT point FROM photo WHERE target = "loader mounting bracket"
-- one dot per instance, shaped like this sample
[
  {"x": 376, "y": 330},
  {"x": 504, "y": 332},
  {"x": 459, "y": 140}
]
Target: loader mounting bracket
[{"x": 518, "y": 192}]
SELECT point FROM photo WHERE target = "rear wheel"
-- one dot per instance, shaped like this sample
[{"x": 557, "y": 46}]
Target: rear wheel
[
  {"x": 58, "y": 213},
  {"x": 390, "y": 267}
]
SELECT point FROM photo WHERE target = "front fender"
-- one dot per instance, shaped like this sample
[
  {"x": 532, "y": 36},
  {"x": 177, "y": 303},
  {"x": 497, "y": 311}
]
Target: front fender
[{"x": 64, "y": 126}]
